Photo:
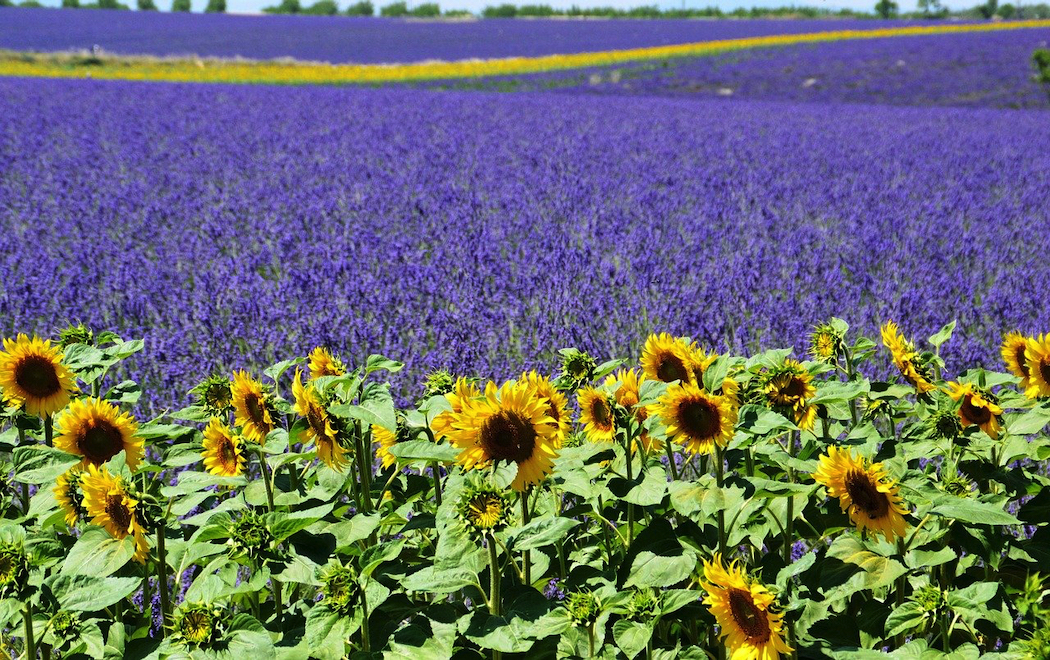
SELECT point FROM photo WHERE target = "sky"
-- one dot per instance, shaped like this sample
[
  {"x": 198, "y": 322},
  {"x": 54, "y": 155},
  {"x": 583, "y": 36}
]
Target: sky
[{"x": 254, "y": 6}]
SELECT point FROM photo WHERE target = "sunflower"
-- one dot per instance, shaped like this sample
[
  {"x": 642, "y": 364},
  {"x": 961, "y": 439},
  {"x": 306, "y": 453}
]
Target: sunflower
[
  {"x": 319, "y": 425},
  {"x": 666, "y": 358},
  {"x": 323, "y": 363},
  {"x": 250, "y": 408},
  {"x": 696, "y": 418},
  {"x": 596, "y": 415},
  {"x": 69, "y": 496},
  {"x": 976, "y": 407},
  {"x": 484, "y": 508},
  {"x": 387, "y": 439},
  {"x": 1013, "y": 351},
  {"x": 32, "y": 375},
  {"x": 790, "y": 386},
  {"x": 223, "y": 453},
  {"x": 557, "y": 404},
  {"x": 110, "y": 506},
  {"x": 742, "y": 608},
  {"x": 699, "y": 361},
  {"x": 465, "y": 391},
  {"x": 864, "y": 491},
  {"x": 906, "y": 359},
  {"x": 826, "y": 343},
  {"x": 98, "y": 431},
  {"x": 509, "y": 424},
  {"x": 1038, "y": 356},
  {"x": 626, "y": 385},
  {"x": 214, "y": 394}
]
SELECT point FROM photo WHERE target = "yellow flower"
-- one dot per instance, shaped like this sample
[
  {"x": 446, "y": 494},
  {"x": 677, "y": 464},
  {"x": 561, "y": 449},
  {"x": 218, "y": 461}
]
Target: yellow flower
[
  {"x": 699, "y": 361},
  {"x": 386, "y": 439},
  {"x": 111, "y": 507},
  {"x": 464, "y": 392},
  {"x": 1013, "y": 351},
  {"x": 509, "y": 424},
  {"x": 250, "y": 407},
  {"x": 791, "y": 386},
  {"x": 223, "y": 455},
  {"x": 666, "y": 358},
  {"x": 864, "y": 491},
  {"x": 32, "y": 375},
  {"x": 322, "y": 363},
  {"x": 1038, "y": 355},
  {"x": 976, "y": 408},
  {"x": 626, "y": 385},
  {"x": 557, "y": 404},
  {"x": 98, "y": 431},
  {"x": 319, "y": 427},
  {"x": 905, "y": 358},
  {"x": 596, "y": 415},
  {"x": 69, "y": 496},
  {"x": 743, "y": 609},
  {"x": 697, "y": 419}
]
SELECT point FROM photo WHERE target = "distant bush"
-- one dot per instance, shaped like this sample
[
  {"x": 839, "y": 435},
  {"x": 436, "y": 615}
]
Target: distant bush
[
  {"x": 1041, "y": 59},
  {"x": 456, "y": 13},
  {"x": 146, "y": 5},
  {"x": 535, "y": 10},
  {"x": 6, "y": 3},
  {"x": 426, "y": 10},
  {"x": 180, "y": 5},
  {"x": 215, "y": 7},
  {"x": 1007, "y": 11},
  {"x": 70, "y": 4},
  {"x": 500, "y": 11},
  {"x": 363, "y": 8},
  {"x": 394, "y": 10},
  {"x": 31, "y": 3},
  {"x": 887, "y": 9},
  {"x": 988, "y": 9},
  {"x": 322, "y": 8},
  {"x": 286, "y": 7}
]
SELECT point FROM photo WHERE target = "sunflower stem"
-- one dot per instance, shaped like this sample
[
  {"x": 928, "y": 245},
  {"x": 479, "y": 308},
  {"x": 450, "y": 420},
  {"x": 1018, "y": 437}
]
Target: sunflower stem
[
  {"x": 590, "y": 640},
  {"x": 670, "y": 461},
  {"x": 789, "y": 523},
  {"x": 364, "y": 464},
  {"x": 30, "y": 642},
  {"x": 719, "y": 479},
  {"x": 494, "y": 597},
  {"x": 899, "y": 588},
  {"x": 49, "y": 429},
  {"x": 278, "y": 605},
  {"x": 630, "y": 481},
  {"x": 162, "y": 581},
  {"x": 435, "y": 470},
  {"x": 526, "y": 557},
  {"x": 366, "y": 641},
  {"x": 267, "y": 477},
  {"x": 850, "y": 375}
]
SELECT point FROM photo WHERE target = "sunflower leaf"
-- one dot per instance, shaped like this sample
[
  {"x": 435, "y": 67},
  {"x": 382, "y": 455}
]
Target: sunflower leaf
[
  {"x": 98, "y": 554},
  {"x": 972, "y": 511},
  {"x": 88, "y": 593},
  {"x": 424, "y": 450},
  {"x": 943, "y": 335},
  {"x": 38, "y": 464}
]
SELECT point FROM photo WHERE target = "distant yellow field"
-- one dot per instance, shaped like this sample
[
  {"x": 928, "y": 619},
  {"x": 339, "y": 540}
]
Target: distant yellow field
[{"x": 57, "y": 65}]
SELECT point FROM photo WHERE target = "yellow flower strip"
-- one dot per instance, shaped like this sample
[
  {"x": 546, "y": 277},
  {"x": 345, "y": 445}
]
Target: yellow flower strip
[{"x": 56, "y": 65}]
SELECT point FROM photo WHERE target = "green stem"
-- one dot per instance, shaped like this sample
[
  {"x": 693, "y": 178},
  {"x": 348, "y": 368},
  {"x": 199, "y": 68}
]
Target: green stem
[
  {"x": 526, "y": 558},
  {"x": 30, "y": 642},
  {"x": 365, "y": 466},
  {"x": 605, "y": 533},
  {"x": 49, "y": 429},
  {"x": 899, "y": 588},
  {"x": 366, "y": 641},
  {"x": 435, "y": 469},
  {"x": 162, "y": 580},
  {"x": 630, "y": 482},
  {"x": 789, "y": 523},
  {"x": 719, "y": 478},
  {"x": 267, "y": 478},
  {"x": 590, "y": 640},
  {"x": 670, "y": 460},
  {"x": 278, "y": 605},
  {"x": 495, "y": 606},
  {"x": 850, "y": 374}
]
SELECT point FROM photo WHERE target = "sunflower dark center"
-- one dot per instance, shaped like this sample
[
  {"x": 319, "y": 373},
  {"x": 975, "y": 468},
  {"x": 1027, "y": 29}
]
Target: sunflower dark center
[
  {"x": 672, "y": 368},
  {"x": 36, "y": 374},
  {"x": 794, "y": 389},
  {"x": 1022, "y": 360},
  {"x": 508, "y": 436},
  {"x": 227, "y": 454},
  {"x": 315, "y": 418},
  {"x": 751, "y": 620},
  {"x": 1044, "y": 370},
  {"x": 255, "y": 409},
  {"x": 601, "y": 412},
  {"x": 866, "y": 495},
  {"x": 118, "y": 512},
  {"x": 100, "y": 442},
  {"x": 699, "y": 418},
  {"x": 975, "y": 414}
]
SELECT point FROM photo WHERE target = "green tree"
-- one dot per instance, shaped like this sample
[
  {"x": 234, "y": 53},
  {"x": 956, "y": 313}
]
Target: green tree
[
  {"x": 988, "y": 9},
  {"x": 180, "y": 5},
  {"x": 363, "y": 8},
  {"x": 394, "y": 10},
  {"x": 887, "y": 8},
  {"x": 70, "y": 4},
  {"x": 500, "y": 11},
  {"x": 215, "y": 7},
  {"x": 426, "y": 10},
  {"x": 146, "y": 5},
  {"x": 1007, "y": 11},
  {"x": 322, "y": 8}
]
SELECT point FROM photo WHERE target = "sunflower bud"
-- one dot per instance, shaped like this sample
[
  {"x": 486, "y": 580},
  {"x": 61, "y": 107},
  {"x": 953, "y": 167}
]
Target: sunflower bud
[
  {"x": 644, "y": 605},
  {"x": 956, "y": 484},
  {"x": 75, "y": 334},
  {"x": 250, "y": 537},
  {"x": 577, "y": 368},
  {"x": 214, "y": 394},
  {"x": 873, "y": 408},
  {"x": 583, "y": 607},
  {"x": 437, "y": 383},
  {"x": 945, "y": 425},
  {"x": 826, "y": 343},
  {"x": 14, "y": 569},
  {"x": 928, "y": 598},
  {"x": 65, "y": 624},
  {"x": 197, "y": 624},
  {"x": 341, "y": 589},
  {"x": 484, "y": 508}
]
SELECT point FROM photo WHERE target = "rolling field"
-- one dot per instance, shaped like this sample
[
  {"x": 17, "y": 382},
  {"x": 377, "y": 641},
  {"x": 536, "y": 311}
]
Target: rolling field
[{"x": 482, "y": 232}]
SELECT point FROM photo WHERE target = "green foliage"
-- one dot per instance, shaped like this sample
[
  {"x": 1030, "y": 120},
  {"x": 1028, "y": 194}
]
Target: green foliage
[
  {"x": 425, "y": 10},
  {"x": 180, "y": 6},
  {"x": 146, "y": 5},
  {"x": 286, "y": 7},
  {"x": 394, "y": 10},
  {"x": 70, "y": 4},
  {"x": 363, "y": 8},
  {"x": 886, "y": 9},
  {"x": 215, "y": 7},
  {"x": 322, "y": 8}
]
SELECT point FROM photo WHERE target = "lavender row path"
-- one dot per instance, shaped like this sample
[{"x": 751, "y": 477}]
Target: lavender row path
[
  {"x": 368, "y": 40},
  {"x": 232, "y": 226},
  {"x": 981, "y": 69}
]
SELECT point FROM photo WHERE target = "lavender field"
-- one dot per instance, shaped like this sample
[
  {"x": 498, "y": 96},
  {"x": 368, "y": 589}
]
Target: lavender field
[
  {"x": 367, "y": 40},
  {"x": 482, "y": 232},
  {"x": 991, "y": 69}
]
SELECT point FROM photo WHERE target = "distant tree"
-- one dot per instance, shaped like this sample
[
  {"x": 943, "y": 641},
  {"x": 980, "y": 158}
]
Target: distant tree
[
  {"x": 286, "y": 7},
  {"x": 363, "y": 8},
  {"x": 322, "y": 8},
  {"x": 180, "y": 5},
  {"x": 1041, "y": 59},
  {"x": 988, "y": 9},
  {"x": 456, "y": 13},
  {"x": 426, "y": 10},
  {"x": 931, "y": 9},
  {"x": 215, "y": 7},
  {"x": 1007, "y": 11},
  {"x": 394, "y": 10},
  {"x": 500, "y": 11},
  {"x": 887, "y": 9},
  {"x": 70, "y": 4},
  {"x": 31, "y": 3},
  {"x": 6, "y": 3},
  {"x": 146, "y": 5},
  {"x": 535, "y": 10}
]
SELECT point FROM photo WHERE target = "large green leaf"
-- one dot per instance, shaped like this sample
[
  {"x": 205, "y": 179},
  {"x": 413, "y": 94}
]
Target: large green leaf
[
  {"x": 859, "y": 568},
  {"x": 541, "y": 532},
  {"x": 760, "y": 420},
  {"x": 87, "y": 593},
  {"x": 972, "y": 511},
  {"x": 439, "y": 580},
  {"x": 98, "y": 554},
  {"x": 39, "y": 464},
  {"x": 632, "y": 636},
  {"x": 424, "y": 450}
]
